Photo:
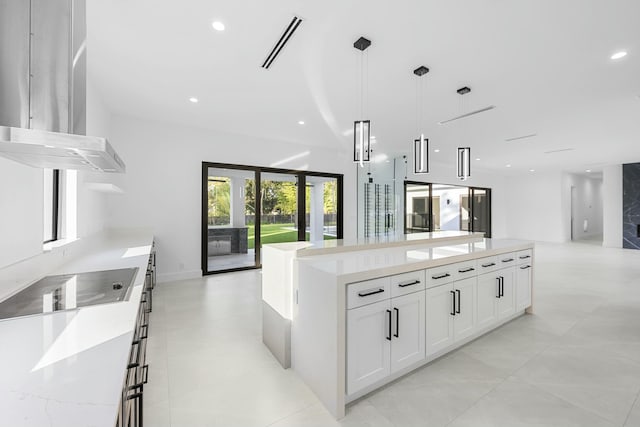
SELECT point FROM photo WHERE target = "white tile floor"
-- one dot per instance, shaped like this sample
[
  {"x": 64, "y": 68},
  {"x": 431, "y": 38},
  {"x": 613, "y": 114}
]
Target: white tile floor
[{"x": 576, "y": 362}]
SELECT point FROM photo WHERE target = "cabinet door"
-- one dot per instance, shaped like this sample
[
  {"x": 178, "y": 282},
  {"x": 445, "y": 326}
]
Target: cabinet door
[
  {"x": 408, "y": 342},
  {"x": 464, "y": 322},
  {"x": 487, "y": 300},
  {"x": 523, "y": 286},
  {"x": 439, "y": 318},
  {"x": 507, "y": 301},
  {"x": 368, "y": 345}
]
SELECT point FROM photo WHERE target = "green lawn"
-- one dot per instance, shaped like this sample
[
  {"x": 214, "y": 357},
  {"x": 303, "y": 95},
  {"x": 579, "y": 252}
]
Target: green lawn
[{"x": 276, "y": 233}]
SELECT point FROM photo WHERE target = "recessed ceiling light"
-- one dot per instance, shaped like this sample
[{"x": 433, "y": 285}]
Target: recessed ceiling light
[
  {"x": 373, "y": 137},
  {"x": 619, "y": 55},
  {"x": 437, "y": 150},
  {"x": 477, "y": 158},
  {"x": 193, "y": 99},
  {"x": 588, "y": 170},
  {"x": 217, "y": 25},
  {"x": 532, "y": 170},
  {"x": 300, "y": 122},
  {"x": 508, "y": 166}
]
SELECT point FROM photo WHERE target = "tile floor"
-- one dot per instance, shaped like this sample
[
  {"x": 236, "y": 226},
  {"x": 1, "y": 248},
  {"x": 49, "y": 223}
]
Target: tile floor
[{"x": 575, "y": 362}]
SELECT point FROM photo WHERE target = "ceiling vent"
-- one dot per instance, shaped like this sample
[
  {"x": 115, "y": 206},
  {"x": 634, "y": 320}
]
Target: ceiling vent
[
  {"x": 518, "y": 138},
  {"x": 284, "y": 39},
  {"x": 453, "y": 119}
]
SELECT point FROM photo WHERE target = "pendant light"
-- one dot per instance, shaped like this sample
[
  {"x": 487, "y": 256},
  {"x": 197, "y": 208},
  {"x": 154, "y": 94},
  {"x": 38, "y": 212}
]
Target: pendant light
[
  {"x": 362, "y": 128},
  {"x": 464, "y": 153},
  {"x": 421, "y": 145}
]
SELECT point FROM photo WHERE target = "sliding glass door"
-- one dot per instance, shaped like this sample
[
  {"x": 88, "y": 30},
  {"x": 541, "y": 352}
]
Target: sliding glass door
[
  {"x": 436, "y": 207},
  {"x": 245, "y": 207}
]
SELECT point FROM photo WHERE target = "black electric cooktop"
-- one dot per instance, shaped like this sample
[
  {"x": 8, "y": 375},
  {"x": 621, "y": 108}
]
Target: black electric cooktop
[{"x": 69, "y": 291}]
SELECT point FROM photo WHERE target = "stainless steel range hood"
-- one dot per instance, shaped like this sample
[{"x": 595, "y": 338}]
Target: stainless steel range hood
[{"x": 43, "y": 88}]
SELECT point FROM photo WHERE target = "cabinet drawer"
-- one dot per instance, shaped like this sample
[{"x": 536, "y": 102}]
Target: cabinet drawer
[
  {"x": 525, "y": 257},
  {"x": 441, "y": 275},
  {"x": 466, "y": 269},
  {"x": 488, "y": 264},
  {"x": 507, "y": 260},
  {"x": 402, "y": 284},
  {"x": 363, "y": 293}
]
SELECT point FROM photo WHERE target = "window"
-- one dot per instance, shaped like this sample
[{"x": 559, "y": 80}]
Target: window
[{"x": 51, "y": 209}]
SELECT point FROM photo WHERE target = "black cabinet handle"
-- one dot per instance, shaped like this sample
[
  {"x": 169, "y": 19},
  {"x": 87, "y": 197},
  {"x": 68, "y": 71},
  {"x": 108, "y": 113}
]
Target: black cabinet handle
[
  {"x": 524, "y": 267},
  {"x": 409, "y": 283},
  {"x": 525, "y": 256},
  {"x": 466, "y": 270},
  {"x": 501, "y": 286},
  {"x": 458, "y": 292},
  {"x": 370, "y": 292},
  {"x": 442, "y": 276},
  {"x": 491, "y": 264},
  {"x": 389, "y": 319},
  {"x": 498, "y": 283},
  {"x": 507, "y": 260},
  {"x": 453, "y": 301},
  {"x": 397, "y": 334}
]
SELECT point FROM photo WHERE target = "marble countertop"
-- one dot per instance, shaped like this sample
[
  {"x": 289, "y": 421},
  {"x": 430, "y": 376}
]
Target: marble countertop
[
  {"x": 323, "y": 247},
  {"x": 372, "y": 263},
  {"x": 67, "y": 368}
]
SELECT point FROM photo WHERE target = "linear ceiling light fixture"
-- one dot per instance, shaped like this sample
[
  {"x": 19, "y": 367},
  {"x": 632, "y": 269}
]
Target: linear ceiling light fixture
[
  {"x": 559, "y": 150},
  {"x": 518, "y": 138},
  {"x": 282, "y": 41},
  {"x": 472, "y": 113},
  {"x": 421, "y": 145},
  {"x": 362, "y": 128}
]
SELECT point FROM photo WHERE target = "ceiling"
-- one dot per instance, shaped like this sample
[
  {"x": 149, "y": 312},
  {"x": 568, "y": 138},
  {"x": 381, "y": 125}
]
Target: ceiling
[{"x": 545, "y": 65}]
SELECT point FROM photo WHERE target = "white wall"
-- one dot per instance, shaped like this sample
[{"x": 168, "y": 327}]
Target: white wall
[
  {"x": 534, "y": 207},
  {"x": 612, "y": 206},
  {"x": 21, "y": 198},
  {"x": 163, "y": 181},
  {"x": 588, "y": 206}
]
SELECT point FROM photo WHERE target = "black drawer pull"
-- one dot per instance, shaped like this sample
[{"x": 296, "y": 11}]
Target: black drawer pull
[
  {"x": 507, "y": 260},
  {"x": 370, "y": 292},
  {"x": 525, "y": 256},
  {"x": 466, "y": 270},
  {"x": 491, "y": 264},
  {"x": 524, "y": 267},
  {"x": 409, "y": 283},
  {"x": 442, "y": 276}
]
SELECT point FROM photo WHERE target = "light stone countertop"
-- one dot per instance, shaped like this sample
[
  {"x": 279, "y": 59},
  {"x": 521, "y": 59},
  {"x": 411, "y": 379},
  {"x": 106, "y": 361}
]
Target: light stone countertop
[
  {"x": 67, "y": 368},
  {"x": 372, "y": 263}
]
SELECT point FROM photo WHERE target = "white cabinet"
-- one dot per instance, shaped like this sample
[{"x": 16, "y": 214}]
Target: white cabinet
[
  {"x": 506, "y": 292},
  {"x": 408, "y": 337},
  {"x": 487, "y": 296},
  {"x": 450, "y": 314},
  {"x": 440, "y": 311},
  {"x": 384, "y": 337},
  {"x": 368, "y": 345},
  {"x": 523, "y": 286}
]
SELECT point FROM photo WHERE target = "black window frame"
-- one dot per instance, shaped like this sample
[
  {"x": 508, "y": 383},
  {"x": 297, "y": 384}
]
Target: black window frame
[
  {"x": 301, "y": 204},
  {"x": 55, "y": 208}
]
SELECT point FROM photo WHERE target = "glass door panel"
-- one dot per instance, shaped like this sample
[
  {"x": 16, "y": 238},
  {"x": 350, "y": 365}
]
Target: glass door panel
[
  {"x": 278, "y": 208},
  {"x": 321, "y": 208},
  {"x": 417, "y": 208},
  {"x": 230, "y": 219},
  {"x": 481, "y": 210}
]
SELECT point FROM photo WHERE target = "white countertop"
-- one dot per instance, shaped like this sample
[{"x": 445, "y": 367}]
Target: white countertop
[
  {"x": 323, "y": 247},
  {"x": 67, "y": 368},
  {"x": 367, "y": 264}
]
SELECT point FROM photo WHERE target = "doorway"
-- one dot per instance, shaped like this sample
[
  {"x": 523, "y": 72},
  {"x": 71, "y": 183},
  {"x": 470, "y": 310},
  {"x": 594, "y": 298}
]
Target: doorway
[{"x": 244, "y": 207}]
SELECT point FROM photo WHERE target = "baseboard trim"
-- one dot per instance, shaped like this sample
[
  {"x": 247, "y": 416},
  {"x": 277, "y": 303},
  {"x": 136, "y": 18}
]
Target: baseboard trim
[{"x": 179, "y": 275}]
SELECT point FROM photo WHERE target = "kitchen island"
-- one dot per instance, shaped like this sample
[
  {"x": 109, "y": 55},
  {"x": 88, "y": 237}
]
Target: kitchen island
[
  {"x": 68, "y": 368},
  {"x": 361, "y": 319}
]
